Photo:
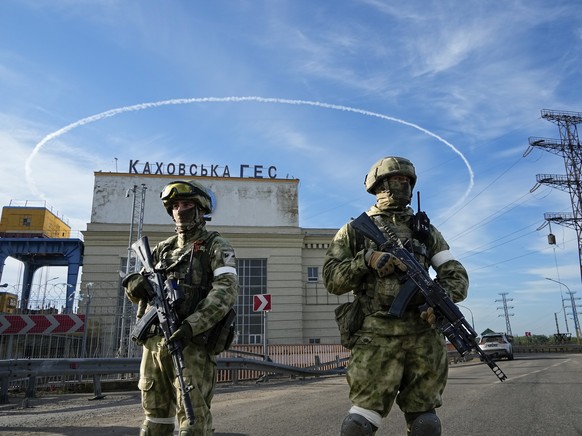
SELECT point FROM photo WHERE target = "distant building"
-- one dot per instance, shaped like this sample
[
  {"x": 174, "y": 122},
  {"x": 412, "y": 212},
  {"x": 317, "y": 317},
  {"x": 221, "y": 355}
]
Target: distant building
[
  {"x": 258, "y": 215},
  {"x": 32, "y": 222},
  {"x": 8, "y": 302},
  {"x": 37, "y": 237}
]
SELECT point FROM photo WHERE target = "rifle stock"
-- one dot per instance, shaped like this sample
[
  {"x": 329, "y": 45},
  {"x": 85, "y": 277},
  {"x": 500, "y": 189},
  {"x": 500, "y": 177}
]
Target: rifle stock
[
  {"x": 450, "y": 320},
  {"x": 163, "y": 299}
]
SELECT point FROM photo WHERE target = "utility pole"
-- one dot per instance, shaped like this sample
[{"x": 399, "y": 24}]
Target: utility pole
[
  {"x": 506, "y": 313},
  {"x": 574, "y": 312}
]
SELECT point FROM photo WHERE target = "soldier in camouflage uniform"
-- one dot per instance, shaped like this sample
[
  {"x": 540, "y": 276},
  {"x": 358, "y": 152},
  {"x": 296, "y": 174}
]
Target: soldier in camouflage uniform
[
  {"x": 393, "y": 359},
  {"x": 181, "y": 257}
]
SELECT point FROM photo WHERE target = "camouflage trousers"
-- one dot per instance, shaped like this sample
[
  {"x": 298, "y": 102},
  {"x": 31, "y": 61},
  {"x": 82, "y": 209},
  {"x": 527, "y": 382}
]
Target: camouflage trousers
[
  {"x": 160, "y": 390},
  {"x": 409, "y": 369}
]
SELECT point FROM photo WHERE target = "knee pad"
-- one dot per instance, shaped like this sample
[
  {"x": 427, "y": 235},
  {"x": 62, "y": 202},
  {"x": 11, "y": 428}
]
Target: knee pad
[
  {"x": 357, "y": 425},
  {"x": 423, "y": 424},
  {"x": 149, "y": 428}
]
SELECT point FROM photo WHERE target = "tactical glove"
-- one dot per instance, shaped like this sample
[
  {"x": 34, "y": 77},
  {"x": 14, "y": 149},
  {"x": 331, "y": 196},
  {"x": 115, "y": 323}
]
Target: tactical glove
[
  {"x": 184, "y": 334},
  {"x": 383, "y": 262},
  {"x": 429, "y": 316},
  {"x": 137, "y": 287},
  {"x": 142, "y": 306}
]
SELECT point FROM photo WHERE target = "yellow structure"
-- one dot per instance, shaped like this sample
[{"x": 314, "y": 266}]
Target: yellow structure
[
  {"x": 8, "y": 302},
  {"x": 32, "y": 222}
]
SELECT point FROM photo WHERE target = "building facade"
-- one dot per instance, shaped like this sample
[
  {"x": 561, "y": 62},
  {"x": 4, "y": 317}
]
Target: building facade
[{"x": 258, "y": 215}]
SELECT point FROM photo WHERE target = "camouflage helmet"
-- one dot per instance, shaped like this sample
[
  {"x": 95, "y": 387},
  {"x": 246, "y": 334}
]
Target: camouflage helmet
[
  {"x": 182, "y": 190},
  {"x": 389, "y": 166}
]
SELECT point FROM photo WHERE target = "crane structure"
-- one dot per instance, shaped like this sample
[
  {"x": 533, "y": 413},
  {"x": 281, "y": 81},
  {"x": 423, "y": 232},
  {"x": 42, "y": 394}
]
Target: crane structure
[{"x": 569, "y": 147}]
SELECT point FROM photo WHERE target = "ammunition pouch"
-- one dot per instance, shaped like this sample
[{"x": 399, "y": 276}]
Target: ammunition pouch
[
  {"x": 349, "y": 318},
  {"x": 220, "y": 337}
]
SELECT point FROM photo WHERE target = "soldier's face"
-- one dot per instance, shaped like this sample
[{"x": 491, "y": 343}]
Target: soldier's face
[
  {"x": 183, "y": 211},
  {"x": 400, "y": 189},
  {"x": 400, "y": 179}
]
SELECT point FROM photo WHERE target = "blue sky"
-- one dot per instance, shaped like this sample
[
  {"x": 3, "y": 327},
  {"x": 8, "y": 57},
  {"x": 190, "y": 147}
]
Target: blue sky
[{"x": 321, "y": 90}]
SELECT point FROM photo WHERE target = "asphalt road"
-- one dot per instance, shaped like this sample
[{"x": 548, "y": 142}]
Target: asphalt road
[{"x": 540, "y": 397}]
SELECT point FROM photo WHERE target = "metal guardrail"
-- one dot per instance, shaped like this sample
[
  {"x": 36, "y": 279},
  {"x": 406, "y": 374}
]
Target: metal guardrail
[
  {"x": 19, "y": 368},
  {"x": 563, "y": 348},
  {"x": 31, "y": 369}
]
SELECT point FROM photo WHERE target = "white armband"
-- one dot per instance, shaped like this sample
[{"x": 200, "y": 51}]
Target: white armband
[
  {"x": 224, "y": 270},
  {"x": 440, "y": 258}
]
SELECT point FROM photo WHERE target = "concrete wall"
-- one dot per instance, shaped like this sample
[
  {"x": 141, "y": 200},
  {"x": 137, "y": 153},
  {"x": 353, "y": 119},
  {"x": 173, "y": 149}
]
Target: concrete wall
[
  {"x": 238, "y": 201},
  {"x": 260, "y": 219}
]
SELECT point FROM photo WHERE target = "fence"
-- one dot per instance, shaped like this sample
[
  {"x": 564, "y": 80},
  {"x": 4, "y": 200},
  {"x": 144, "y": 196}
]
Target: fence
[
  {"x": 34, "y": 335},
  {"x": 319, "y": 357}
]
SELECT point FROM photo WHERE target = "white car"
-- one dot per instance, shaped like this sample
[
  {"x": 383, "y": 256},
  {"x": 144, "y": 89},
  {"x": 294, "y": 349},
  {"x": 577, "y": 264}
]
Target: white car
[{"x": 497, "y": 345}]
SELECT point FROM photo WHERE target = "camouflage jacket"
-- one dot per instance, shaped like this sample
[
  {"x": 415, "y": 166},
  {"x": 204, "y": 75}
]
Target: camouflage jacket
[
  {"x": 345, "y": 270},
  {"x": 210, "y": 283}
]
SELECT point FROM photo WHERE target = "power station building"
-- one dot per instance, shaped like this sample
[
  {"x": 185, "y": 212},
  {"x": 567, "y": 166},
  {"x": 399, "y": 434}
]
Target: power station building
[{"x": 256, "y": 211}]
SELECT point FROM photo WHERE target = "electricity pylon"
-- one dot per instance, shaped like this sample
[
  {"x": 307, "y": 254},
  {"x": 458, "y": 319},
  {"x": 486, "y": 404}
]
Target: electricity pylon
[{"x": 568, "y": 146}]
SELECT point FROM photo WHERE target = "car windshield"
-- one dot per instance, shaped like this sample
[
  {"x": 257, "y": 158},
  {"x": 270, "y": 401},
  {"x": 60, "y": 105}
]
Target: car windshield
[{"x": 492, "y": 339}]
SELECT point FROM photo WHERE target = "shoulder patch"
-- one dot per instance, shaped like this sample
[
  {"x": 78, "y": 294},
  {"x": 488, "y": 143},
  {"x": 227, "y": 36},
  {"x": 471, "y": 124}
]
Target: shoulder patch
[{"x": 228, "y": 257}]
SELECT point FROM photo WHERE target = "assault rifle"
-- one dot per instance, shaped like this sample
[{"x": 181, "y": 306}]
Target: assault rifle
[
  {"x": 164, "y": 299},
  {"x": 449, "y": 319}
]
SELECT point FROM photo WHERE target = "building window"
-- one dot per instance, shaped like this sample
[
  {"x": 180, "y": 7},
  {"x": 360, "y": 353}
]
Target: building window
[
  {"x": 255, "y": 339},
  {"x": 312, "y": 274},
  {"x": 314, "y": 340},
  {"x": 26, "y": 221},
  {"x": 252, "y": 276}
]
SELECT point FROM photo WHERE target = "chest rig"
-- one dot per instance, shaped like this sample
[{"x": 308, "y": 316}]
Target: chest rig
[
  {"x": 189, "y": 268},
  {"x": 413, "y": 232}
]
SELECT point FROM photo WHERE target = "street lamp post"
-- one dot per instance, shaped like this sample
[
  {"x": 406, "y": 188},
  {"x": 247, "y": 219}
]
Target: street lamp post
[
  {"x": 471, "y": 312},
  {"x": 574, "y": 313},
  {"x": 86, "y": 326},
  {"x": 44, "y": 291}
]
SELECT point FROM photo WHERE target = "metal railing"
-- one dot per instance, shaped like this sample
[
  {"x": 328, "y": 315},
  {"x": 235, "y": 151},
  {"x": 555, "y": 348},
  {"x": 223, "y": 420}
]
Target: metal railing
[
  {"x": 242, "y": 363},
  {"x": 554, "y": 348}
]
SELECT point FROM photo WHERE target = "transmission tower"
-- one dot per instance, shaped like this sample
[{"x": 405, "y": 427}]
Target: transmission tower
[
  {"x": 131, "y": 265},
  {"x": 574, "y": 313},
  {"x": 506, "y": 313},
  {"x": 568, "y": 146}
]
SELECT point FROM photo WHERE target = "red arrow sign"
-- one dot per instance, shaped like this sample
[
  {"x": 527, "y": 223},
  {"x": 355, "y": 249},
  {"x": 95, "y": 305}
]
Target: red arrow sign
[
  {"x": 262, "y": 302},
  {"x": 45, "y": 324}
]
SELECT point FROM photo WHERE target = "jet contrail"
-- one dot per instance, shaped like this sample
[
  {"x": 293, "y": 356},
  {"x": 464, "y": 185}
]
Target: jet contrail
[{"x": 142, "y": 106}]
